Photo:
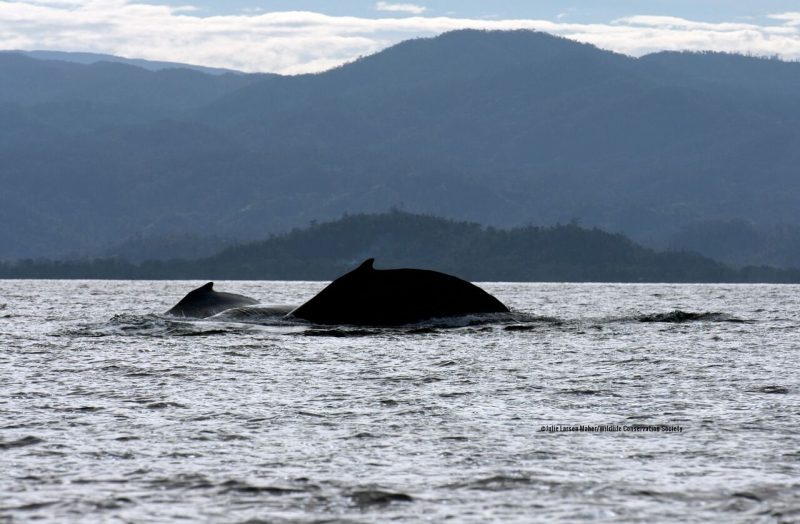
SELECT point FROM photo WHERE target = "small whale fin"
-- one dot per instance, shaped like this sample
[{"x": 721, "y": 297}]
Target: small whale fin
[
  {"x": 204, "y": 302},
  {"x": 367, "y": 264}
]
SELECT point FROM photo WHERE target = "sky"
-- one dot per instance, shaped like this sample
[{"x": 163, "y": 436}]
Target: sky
[{"x": 301, "y": 36}]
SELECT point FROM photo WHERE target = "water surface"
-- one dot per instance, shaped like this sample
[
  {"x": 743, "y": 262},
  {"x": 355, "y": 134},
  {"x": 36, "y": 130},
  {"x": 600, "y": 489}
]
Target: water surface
[{"x": 111, "y": 412}]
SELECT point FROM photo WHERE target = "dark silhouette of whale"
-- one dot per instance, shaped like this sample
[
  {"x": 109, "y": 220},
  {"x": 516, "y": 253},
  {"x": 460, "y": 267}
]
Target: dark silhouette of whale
[
  {"x": 393, "y": 297},
  {"x": 205, "y": 302}
]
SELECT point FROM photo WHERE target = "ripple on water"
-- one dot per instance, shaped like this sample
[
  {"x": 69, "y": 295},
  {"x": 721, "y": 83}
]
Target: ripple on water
[
  {"x": 677, "y": 317},
  {"x": 113, "y": 413},
  {"x": 19, "y": 443},
  {"x": 772, "y": 389},
  {"x": 374, "y": 497}
]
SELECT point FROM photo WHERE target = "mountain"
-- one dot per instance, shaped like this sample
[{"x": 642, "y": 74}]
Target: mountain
[
  {"x": 66, "y": 94},
  {"x": 396, "y": 239},
  {"x": 501, "y": 128},
  {"x": 141, "y": 248},
  {"x": 740, "y": 243},
  {"x": 93, "y": 58}
]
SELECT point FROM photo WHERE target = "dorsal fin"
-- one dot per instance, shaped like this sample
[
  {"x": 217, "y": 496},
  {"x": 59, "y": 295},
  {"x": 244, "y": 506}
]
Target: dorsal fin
[
  {"x": 367, "y": 264},
  {"x": 207, "y": 287}
]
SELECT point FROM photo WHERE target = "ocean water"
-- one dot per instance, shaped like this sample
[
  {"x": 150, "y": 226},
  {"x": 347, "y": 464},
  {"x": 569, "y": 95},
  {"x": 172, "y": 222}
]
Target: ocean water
[{"x": 592, "y": 403}]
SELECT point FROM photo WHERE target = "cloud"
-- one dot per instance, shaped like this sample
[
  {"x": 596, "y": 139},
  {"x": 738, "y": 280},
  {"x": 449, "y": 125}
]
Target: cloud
[
  {"x": 564, "y": 14},
  {"x": 792, "y": 19},
  {"x": 400, "y": 8},
  {"x": 292, "y": 42}
]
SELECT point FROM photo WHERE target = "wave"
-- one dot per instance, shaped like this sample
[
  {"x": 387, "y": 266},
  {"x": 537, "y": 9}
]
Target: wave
[
  {"x": 275, "y": 315},
  {"x": 254, "y": 314},
  {"x": 243, "y": 320},
  {"x": 366, "y": 498},
  {"x": 678, "y": 317},
  {"x": 24, "y": 441},
  {"x": 152, "y": 325}
]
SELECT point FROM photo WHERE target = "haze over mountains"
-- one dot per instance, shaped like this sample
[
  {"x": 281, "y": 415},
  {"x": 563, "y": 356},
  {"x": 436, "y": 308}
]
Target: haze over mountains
[
  {"x": 501, "y": 128},
  {"x": 93, "y": 58}
]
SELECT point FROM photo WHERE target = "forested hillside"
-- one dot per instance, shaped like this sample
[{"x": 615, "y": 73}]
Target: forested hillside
[
  {"x": 500, "y": 128},
  {"x": 396, "y": 239}
]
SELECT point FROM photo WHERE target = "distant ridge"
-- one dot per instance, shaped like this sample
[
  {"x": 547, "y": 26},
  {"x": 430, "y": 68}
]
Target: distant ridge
[
  {"x": 93, "y": 58},
  {"x": 565, "y": 253}
]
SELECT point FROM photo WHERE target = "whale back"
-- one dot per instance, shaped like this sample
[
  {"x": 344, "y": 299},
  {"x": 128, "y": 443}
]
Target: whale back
[
  {"x": 370, "y": 297},
  {"x": 205, "y": 302}
]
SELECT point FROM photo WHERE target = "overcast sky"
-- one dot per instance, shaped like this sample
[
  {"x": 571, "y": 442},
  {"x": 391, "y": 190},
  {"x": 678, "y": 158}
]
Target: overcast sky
[{"x": 295, "y": 36}]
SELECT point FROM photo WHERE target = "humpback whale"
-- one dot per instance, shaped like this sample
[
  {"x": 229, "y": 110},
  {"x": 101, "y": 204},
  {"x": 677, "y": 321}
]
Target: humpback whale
[
  {"x": 392, "y": 297},
  {"x": 205, "y": 302}
]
